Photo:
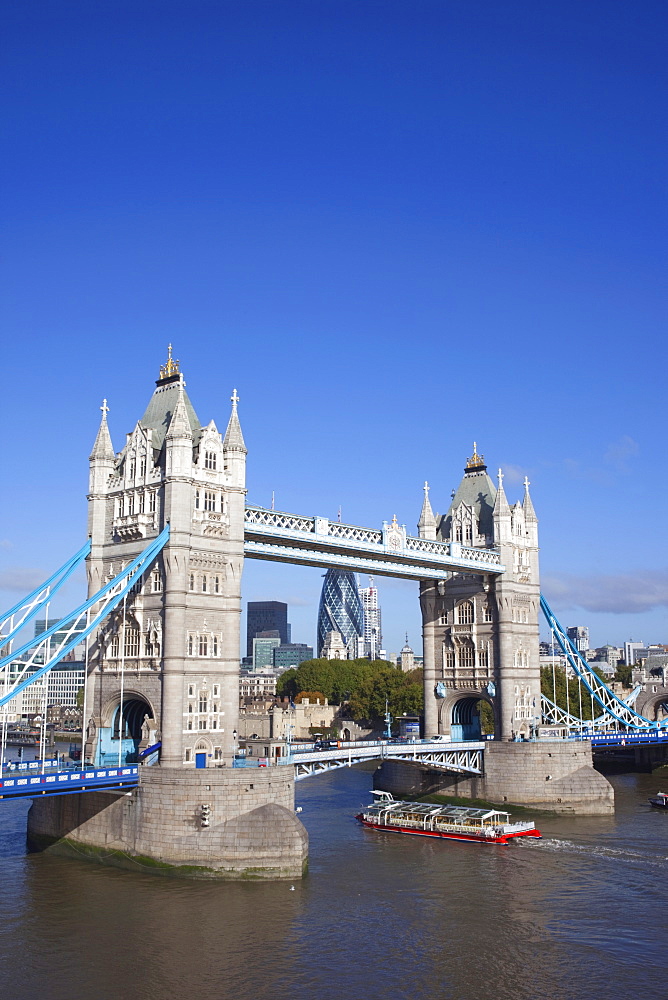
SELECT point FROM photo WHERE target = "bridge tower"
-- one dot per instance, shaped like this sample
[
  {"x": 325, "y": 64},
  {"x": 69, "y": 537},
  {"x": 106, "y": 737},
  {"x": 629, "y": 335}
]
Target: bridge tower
[
  {"x": 165, "y": 665},
  {"x": 174, "y": 645},
  {"x": 481, "y": 631}
]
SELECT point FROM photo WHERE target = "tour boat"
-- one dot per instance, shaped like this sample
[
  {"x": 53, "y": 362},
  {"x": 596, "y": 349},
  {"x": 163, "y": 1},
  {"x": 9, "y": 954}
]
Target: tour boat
[
  {"x": 660, "y": 800},
  {"x": 424, "y": 819}
]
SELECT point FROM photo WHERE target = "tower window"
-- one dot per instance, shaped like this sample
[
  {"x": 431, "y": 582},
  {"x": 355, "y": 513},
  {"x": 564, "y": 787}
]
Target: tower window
[
  {"x": 203, "y": 646},
  {"x": 216, "y": 585},
  {"x": 191, "y": 582},
  {"x": 113, "y": 649},
  {"x": 133, "y": 469},
  {"x": 196, "y": 499},
  {"x": 465, "y": 613},
  {"x": 204, "y": 585},
  {"x": 466, "y": 657},
  {"x": 487, "y": 613},
  {"x": 191, "y": 691},
  {"x": 131, "y": 504},
  {"x": 209, "y": 500},
  {"x": 131, "y": 644},
  {"x": 203, "y": 702},
  {"x": 142, "y": 466},
  {"x": 210, "y": 460},
  {"x": 121, "y": 506},
  {"x": 214, "y": 645},
  {"x": 156, "y": 581},
  {"x": 190, "y": 647},
  {"x": 151, "y": 502},
  {"x": 141, "y": 503}
]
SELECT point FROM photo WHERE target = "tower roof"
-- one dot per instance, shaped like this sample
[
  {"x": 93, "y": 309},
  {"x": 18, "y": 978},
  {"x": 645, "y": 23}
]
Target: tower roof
[
  {"x": 501, "y": 503},
  {"x": 476, "y": 490},
  {"x": 234, "y": 439},
  {"x": 427, "y": 519},
  {"x": 527, "y": 504},
  {"x": 103, "y": 448},
  {"x": 163, "y": 402}
]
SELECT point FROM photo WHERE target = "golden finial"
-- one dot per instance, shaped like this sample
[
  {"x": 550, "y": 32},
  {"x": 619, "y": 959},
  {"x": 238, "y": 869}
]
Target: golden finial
[
  {"x": 170, "y": 367},
  {"x": 476, "y": 461}
]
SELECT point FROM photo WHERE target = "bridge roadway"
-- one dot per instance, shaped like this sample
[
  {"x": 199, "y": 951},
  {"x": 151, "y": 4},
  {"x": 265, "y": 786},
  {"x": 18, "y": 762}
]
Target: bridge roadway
[
  {"x": 25, "y": 783},
  {"x": 460, "y": 758},
  {"x": 316, "y": 541}
]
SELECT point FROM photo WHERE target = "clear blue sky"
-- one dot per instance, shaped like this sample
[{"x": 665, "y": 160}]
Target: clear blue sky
[{"x": 395, "y": 227}]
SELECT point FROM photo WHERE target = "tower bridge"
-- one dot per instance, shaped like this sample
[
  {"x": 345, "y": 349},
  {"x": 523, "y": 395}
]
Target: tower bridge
[{"x": 168, "y": 533}]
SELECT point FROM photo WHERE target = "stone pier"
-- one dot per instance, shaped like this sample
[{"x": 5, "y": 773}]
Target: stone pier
[
  {"x": 558, "y": 777},
  {"x": 160, "y": 827}
]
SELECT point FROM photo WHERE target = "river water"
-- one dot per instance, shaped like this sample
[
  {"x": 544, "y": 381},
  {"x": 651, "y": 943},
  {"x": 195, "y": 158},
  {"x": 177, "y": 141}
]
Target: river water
[{"x": 581, "y": 913}]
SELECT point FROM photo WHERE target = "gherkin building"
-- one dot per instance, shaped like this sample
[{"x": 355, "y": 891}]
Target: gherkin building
[{"x": 340, "y": 608}]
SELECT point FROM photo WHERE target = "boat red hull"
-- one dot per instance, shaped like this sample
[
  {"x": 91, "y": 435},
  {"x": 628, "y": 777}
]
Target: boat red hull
[{"x": 444, "y": 835}]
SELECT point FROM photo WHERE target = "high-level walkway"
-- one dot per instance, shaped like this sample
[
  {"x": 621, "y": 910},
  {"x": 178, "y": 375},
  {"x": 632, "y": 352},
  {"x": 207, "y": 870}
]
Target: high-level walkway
[{"x": 316, "y": 541}]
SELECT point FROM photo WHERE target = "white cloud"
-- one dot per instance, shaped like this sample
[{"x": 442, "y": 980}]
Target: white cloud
[
  {"x": 624, "y": 593},
  {"x": 514, "y": 474},
  {"x": 20, "y": 578},
  {"x": 620, "y": 451}
]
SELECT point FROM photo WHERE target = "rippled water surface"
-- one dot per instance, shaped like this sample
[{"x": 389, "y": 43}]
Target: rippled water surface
[{"x": 578, "y": 914}]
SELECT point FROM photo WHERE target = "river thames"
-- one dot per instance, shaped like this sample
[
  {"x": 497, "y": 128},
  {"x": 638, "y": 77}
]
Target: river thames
[{"x": 581, "y": 913}]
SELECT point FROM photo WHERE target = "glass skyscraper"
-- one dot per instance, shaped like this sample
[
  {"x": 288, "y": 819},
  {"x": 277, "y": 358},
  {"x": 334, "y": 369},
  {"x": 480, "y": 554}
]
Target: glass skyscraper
[{"x": 340, "y": 609}]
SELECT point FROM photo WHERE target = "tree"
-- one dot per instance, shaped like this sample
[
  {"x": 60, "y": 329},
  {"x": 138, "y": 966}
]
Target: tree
[{"x": 363, "y": 686}]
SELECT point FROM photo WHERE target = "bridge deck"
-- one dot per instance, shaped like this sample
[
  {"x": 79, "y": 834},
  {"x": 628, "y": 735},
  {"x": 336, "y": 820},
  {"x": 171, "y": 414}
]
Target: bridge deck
[
  {"x": 27, "y": 784},
  {"x": 316, "y": 541}
]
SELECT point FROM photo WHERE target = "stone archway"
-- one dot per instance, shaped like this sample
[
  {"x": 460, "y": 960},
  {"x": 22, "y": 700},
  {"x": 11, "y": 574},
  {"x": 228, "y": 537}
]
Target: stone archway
[
  {"x": 120, "y": 733},
  {"x": 471, "y": 717},
  {"x": 654, "y": 704}
]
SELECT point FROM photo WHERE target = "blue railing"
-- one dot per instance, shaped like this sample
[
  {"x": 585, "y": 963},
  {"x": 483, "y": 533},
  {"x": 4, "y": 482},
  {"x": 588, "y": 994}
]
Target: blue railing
[{"x": 30, "y": 785}]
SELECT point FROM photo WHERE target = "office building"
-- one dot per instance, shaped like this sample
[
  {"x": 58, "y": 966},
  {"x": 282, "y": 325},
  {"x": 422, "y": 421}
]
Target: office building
[
  {"x": 341, "y": 611},
  {"x": 373, "y": 638},
  {"x": 266, "y": 616},
  {"x": 579, "y": 636}
]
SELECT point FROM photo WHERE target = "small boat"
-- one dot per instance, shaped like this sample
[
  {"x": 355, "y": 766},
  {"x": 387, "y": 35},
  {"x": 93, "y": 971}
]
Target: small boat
[
  {"x": 660, "y": 800},
  {"x": 423, "y": 819}
]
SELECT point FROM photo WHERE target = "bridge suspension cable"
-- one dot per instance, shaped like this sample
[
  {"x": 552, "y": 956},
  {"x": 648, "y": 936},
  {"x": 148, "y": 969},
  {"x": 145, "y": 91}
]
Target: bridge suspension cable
[
  {"x": 612, "y": 705},
  {"x": 22, "y": 613},
  {"x": 76, "y": 626},
  {"x": 554, "y": 715}
]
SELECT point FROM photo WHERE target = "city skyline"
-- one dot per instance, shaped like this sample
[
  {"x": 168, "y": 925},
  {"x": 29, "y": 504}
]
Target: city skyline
[{"x": 392, "y": 238}]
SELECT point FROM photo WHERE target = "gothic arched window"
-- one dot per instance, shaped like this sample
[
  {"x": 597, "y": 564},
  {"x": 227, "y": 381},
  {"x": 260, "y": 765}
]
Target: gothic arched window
[{"x": 465, "y": 613}]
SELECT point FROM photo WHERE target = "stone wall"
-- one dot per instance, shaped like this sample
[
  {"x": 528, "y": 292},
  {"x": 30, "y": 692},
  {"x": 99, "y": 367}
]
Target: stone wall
[
  {"x": 253, "y": 831},
  {"x": 558, "y": 777}
]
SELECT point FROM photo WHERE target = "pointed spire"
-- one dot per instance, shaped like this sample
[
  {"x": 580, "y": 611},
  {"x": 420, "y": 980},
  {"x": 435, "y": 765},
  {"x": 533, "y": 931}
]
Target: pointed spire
[
  {"x": 501, "y": 503},
  {"x": 427, "y": 522},
  {"x": 103, "y": 448},
  {"x": 529, "y": 512},
  {"x": 179, "y": 425},
  {"x": 234, "y": 439}
]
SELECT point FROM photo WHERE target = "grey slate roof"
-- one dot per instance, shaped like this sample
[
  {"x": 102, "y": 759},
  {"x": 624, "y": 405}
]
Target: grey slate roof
[
  {"x": 159, "y": 413},
  {"x": 478, "y": 491}
]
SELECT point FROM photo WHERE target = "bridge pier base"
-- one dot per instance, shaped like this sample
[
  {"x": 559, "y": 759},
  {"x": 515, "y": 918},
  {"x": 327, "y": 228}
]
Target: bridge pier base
[
  {"x": 212, "y": 823},
  {"x": 558, "y": 777}
]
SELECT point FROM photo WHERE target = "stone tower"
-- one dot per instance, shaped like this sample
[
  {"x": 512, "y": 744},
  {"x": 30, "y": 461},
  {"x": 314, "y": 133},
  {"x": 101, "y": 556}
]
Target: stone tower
[
  {"x": 481, "y": 631},
  {"x": 165, "y": 665},
  {"x": 173, "y": 647}
]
